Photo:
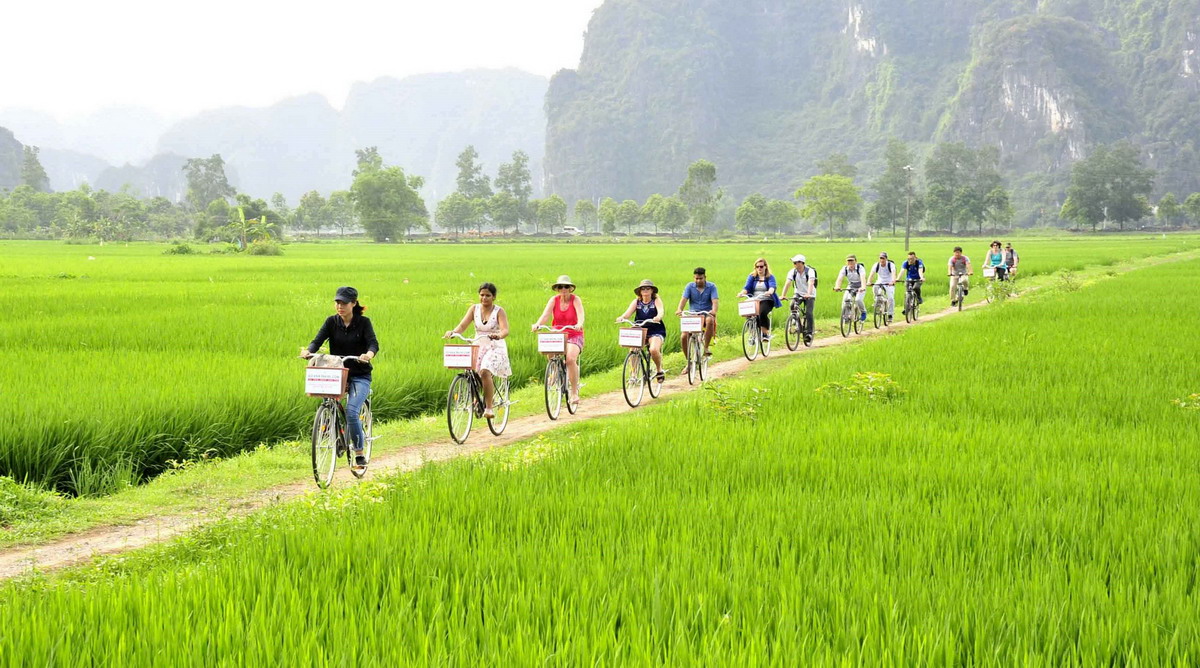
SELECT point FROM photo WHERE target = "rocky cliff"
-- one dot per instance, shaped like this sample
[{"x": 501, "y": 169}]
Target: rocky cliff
[{"x": 764, "y": 88}]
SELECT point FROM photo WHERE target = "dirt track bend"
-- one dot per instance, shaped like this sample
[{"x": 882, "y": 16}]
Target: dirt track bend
[{"x": 81, "y": 547}]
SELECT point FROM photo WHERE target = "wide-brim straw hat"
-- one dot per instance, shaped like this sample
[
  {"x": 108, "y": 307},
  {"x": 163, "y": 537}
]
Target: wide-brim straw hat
[
  {"x": 645, "y": 284},
  {"x": 563, "y": 280}
]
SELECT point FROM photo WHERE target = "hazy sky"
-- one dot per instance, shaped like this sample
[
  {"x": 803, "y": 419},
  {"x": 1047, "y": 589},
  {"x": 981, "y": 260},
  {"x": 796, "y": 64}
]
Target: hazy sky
[{"x": 73, "y": 57}]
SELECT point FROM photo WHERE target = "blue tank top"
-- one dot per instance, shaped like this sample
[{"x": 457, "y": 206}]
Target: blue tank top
[{"x": 644, "y": 311}]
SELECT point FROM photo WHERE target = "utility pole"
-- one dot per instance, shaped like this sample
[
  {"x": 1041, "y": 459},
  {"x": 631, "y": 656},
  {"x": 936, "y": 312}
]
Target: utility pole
[{"x": 908, "y": 170}]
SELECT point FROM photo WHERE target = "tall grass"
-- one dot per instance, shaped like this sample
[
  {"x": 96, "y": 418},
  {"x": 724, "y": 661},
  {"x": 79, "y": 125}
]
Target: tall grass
[
  {"x": 1031, "y": 496},
  {"x": 138, "y": 357}
]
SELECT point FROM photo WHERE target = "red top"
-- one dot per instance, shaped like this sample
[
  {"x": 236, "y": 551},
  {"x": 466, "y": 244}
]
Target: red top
[{"x": 565, "y": 316}]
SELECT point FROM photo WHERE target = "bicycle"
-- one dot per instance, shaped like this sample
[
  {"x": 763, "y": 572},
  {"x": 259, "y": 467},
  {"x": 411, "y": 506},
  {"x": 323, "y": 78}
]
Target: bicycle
[
  {"x": 464, "y": 400},
  {"x": 912, "y": 305},
  {"x": 992, "y": 291},
  {"x": 753, "y": 340},
  {"x": 852, "y": 313},
  {"x": 795, "y": 329},
  {"x": 696, "y": 359},
  {"x": 329, "y": 437},
  {"x": 556, "y": 384},
  {"x": 882, "y": 306},
  {"x": 635, "y": 373},
  {"x": 960, "y": 292}
]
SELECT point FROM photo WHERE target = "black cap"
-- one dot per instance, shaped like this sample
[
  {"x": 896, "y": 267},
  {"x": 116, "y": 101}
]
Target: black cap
[{"x": 346, "y": 294}]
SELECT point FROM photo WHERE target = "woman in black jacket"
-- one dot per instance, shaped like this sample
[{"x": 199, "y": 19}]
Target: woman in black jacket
[{"x": 350, "y": 334}]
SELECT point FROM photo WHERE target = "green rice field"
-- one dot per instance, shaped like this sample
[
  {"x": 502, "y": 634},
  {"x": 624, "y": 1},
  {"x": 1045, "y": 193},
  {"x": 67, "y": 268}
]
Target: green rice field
[
  {"x": 1019, "y": 489},
  {"x": 123, "y": 359}
]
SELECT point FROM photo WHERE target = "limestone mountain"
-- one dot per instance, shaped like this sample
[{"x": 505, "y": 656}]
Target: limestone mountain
[{"x": 764, "y": 88}]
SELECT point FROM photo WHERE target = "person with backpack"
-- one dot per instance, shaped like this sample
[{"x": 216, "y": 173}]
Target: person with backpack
[
  {"x": 805, "y": 279},
  {"x": 855, "y": 275},
  {"x": 885, "y": 271},
  {"x": 958, "y": 268},
  {"x": 1011, "y": 259},
  {"x": 914, "y": 272}
]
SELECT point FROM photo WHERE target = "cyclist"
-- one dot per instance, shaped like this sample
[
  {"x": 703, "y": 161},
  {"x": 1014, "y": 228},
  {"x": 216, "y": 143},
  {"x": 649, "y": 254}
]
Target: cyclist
[
  {"x": 700, "y": 295},
  {"x": 350, "y": 334},
  {"x": 885, "y": 271},
  {"x": 1011, "y": 259},
  {"x": 958, "y": 268},
  {"x": 491, "y": 322},
  {"x": 994, "y": 259},
  {"x": 914, "y": 270},
  {"x": 649, "y": 307},
  {"x": 805, "y": 279},
  {"x": 856, "y": 277},
  {"x": 761, "y": 285},
  {"x": 566, "y": 310}
]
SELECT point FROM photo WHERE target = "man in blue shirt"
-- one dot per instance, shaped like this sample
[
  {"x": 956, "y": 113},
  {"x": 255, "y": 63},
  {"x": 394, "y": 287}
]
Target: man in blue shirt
[
  {"x": 699, "y": 296},
  {"x": 914, "y": 270}
]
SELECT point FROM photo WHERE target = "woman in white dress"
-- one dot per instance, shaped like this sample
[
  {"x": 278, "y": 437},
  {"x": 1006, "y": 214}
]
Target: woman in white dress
[{"x": 491, "y": 322}]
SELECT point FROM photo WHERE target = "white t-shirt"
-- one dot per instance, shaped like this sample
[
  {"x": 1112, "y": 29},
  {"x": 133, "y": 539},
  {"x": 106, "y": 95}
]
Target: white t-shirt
[
  {"x": 801, "y": 281},
  {"x": 856, "y": 278},
  {"x": 886, "y": 271}
]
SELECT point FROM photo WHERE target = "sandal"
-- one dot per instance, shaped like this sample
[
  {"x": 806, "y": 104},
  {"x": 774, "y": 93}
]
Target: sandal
[{"x": 661, "y": 377}]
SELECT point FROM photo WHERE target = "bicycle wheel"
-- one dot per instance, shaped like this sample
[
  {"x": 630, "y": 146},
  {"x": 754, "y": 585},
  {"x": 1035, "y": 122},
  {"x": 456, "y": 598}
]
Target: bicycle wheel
[
  {"x": 879, "y": 314},
  {"x": 500, "y": 403},
  {"x": 553, "y": 391},
  {"x": 367, "y": 420},
  {"x": 750, "y": 339},
  {"x": 703, "y": 362},
  {"x": 632, "y": 384},
  {"x": 460, "y": 408},
  {"x": 565, "y": 384},
  {"x": 792, "y": 335},
  {"x": 960, "y": 292},
  {"x": 847, "y": 327},
  {"x": 764, "y": 342},
  {"x": 889, "y": 312},
  {"x": 858, "y": 319},
  {"x": 324, "y": 444},
  {"x": 651, "y": 378},
  {"x": 990, "y": 292},
  {"x": 692, "y": 359},
  {"x": 909, "y": 303}
]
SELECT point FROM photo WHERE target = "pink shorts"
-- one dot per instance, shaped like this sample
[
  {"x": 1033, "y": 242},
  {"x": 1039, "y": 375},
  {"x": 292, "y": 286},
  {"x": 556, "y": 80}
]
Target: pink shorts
[{"x": 576, "y": 338}]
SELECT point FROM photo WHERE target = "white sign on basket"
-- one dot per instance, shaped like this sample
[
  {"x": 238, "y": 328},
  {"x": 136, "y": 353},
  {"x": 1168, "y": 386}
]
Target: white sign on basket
[
  {"x": 323, "y": 380},
  {"x": 458, "y": 357},
  {"x": 989, "y": 272},
  {"x": 632, "y": 337},
  {"x": 552, "y": 342},
  {"x": 748, "y": 308},
  {"x": 691, "y": 324}
]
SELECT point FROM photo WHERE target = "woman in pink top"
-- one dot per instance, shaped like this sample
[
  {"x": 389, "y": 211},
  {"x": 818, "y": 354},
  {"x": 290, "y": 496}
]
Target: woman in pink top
[{"x": 566, "y": 310}]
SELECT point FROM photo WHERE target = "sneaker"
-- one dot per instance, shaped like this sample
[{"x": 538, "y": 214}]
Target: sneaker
[
  {"x": 708, "y": 353},
  {"x": 863, "y": 317},
  {"x": 489, "y": 414},
  {"x": 766, "y": 337},
  {"x": 954, "y": 302},
  {"x": 360, "y": 461},
  {"x": 966, "y": 292}
]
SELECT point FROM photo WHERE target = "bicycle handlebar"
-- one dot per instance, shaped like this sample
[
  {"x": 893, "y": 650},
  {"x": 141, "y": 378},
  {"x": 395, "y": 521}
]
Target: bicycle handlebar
[
  {"x": 558, "y": 330},
  {"x": 640, "y": 323},
  {"x": 696, "y": 313},
  {"x": 473, "y": 341},
  {"x": 340, "y": 358}
]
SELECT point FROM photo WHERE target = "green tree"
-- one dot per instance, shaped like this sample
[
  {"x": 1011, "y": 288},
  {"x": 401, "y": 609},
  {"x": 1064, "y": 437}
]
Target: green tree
[
  {"x": 552, "y": 213},
  {"x": 206, "y": 181},
  {"x": 280, "y": 206},
  {"x": 312, "y": 212},
  {"x": 892, "y": 187},
  {"x": 458, "y": 213},
  {"x": 514, "y": 178},
  {"x": 608, "y": 215},
  {"x": 627, "y": 215},
  {"x": 387, "y": 203},
  {"x": 700, "y": 194},
  {"x": 837, "y": 163},
  {"x": 781, "y": 216},
  {"x": 505, "y": 210},
  {"x": 1111, "y": 185},
  {"x": 367, "y": 160},
  {"x": 751, "y": 215},
  {"x": 829, "y": 197},
  {"x": 674, "y": 214},
  {"x": 32, "y": 173},
  {"x": 652, "y": 210},
  {"x": 1169, "y": 209},
  {"x": 1192, "y": 206},
  {"x": 340, "y": 208},
  {"x": 585, "y": 214},
  {"x": 471, "y": 180}
]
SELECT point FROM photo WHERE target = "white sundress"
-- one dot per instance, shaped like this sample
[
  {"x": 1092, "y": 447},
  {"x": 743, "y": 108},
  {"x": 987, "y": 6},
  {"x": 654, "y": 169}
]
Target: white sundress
[{"x": 493, "y": 353}]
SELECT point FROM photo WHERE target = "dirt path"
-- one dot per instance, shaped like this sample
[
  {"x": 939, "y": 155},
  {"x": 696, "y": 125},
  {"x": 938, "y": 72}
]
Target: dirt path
[{"x": 81, "y": 547}]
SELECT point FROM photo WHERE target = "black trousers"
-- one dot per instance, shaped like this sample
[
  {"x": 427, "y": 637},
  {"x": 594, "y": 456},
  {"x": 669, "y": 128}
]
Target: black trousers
[{"x": 764, "y": 313}]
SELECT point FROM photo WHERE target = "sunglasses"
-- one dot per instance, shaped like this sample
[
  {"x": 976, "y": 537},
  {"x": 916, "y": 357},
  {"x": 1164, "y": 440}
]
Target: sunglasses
[{"x": 760, "y": 266}]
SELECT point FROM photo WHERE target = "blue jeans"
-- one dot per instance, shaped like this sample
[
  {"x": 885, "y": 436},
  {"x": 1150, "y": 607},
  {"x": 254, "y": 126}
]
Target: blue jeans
[{"x": 358, "y": 388}]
